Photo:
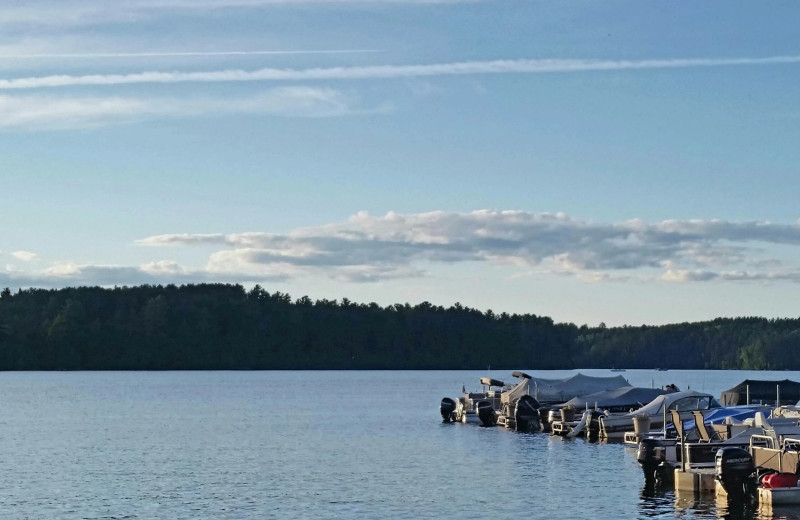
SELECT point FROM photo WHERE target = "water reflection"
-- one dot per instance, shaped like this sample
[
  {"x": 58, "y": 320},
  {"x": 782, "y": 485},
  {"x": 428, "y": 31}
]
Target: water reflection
[
  {"x": 778, "y": 513},
  {"x": 729, "y": 509},
  {"x": 655, "y": 501},
  {"x": 658, "y": 501}
]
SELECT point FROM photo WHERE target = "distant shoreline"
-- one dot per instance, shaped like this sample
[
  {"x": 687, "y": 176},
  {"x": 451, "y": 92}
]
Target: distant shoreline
[{"x": 225, "y": 327}]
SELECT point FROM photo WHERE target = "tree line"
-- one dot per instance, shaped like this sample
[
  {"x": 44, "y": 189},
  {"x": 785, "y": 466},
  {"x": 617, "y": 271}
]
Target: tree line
[{"x": 223, "y": 326}]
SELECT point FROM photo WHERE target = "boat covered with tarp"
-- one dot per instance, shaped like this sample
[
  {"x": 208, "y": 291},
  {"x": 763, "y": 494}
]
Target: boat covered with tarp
[
  {"x": 562, "y": 390},
  {"x": 623, "y": 399},
  {"x": 753, "y": 391}
]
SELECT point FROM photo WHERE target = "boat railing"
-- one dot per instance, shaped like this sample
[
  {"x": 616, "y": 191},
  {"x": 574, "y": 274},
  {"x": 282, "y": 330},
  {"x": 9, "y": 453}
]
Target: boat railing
[
  {"x": 780, "y": 456},
  {"x": 767, "y": 440},
  {"x": 791, "y": 444}
]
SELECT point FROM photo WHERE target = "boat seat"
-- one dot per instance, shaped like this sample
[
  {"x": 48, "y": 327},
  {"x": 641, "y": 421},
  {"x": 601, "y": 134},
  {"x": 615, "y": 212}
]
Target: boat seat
[
  {"x": 677, "y": 422},
  {"x": 702, "y": 430}
]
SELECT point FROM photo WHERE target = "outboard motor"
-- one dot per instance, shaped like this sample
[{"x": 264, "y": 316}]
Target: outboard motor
[
  {"x": 447, "y": 409},
  {"x": 735, "y": 470},
  {"x": 526, "y": 414},
  {"x": 486, "y": 413},
  {"x": 651, "y": 455}
]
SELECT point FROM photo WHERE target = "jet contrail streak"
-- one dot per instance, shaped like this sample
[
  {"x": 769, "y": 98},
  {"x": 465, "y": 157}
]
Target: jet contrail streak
[
  {"x": 546, "y": 66},
  {"x": 179, "y": 54}
]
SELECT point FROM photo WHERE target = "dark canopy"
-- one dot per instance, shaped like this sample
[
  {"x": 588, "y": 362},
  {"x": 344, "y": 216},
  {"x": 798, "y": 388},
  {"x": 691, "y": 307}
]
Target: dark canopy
[{"x": 762, "y": 392}]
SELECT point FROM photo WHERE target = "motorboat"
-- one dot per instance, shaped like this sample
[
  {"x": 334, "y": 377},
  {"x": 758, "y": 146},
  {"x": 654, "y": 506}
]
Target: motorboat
[
  {"x": 655, "y": 413},
  {"x": 517, "y": 406},
  {"x": 552, "y": 393},
  {"x": 498, "y": 403},
  {"x": 692, "y": 444},
  {"x": 519, "y": 410},
  {"x": 766, "y": 470},
  {"x": 474, "y": 407},
  {"x": 597, "y": 404}
]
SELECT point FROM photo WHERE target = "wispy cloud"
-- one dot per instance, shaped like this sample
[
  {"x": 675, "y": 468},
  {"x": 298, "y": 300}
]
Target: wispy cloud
[
  {"x": 89, "y": 12},
  {"x": 59, "y": 113},
  {"x": 174, "y": 54},
  {"x": 384, "y": 71}
]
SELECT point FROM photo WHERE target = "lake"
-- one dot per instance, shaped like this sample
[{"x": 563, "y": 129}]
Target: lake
[{"x": 367, "y": 444}]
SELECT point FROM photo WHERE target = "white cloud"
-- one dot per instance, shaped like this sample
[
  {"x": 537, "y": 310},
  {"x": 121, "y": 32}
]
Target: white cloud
[
  {"x": 367, "y": 248},
  {"x": 25, "y": 256},
  {"x": 394, "y": 245},
  {"x": 522, "y": 66},
  {"x": 160, "y": 272},
  {"x": 57, "y": 113}
]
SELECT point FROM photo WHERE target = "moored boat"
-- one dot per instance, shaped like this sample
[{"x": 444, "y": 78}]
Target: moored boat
[
  {"x": 613, "y": 427},
  {"x": 602, "y": 404},
  {"x": 519, "y": 410}
]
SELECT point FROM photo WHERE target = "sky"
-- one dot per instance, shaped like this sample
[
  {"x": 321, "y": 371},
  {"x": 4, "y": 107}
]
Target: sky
[{"x": 628, "y": 163}]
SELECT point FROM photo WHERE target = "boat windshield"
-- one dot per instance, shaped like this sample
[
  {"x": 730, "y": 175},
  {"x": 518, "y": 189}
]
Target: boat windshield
[{"x": 695, "y": 402}]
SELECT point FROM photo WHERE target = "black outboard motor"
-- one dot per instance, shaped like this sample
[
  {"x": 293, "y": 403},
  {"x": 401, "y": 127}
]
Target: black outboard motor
[
  {"x": 447, "y": 409},
  {"x": 486, "y": 413},
  {"x": 735, "y": 470},
  {"x": 526, "y": 414},
  {"x": 651, "y": 455}
]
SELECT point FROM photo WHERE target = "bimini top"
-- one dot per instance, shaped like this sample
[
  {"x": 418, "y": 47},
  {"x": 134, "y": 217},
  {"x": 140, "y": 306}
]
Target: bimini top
[
  {"x": 561, "y": 390},
  {"x": 620, "y": 399},
  {"x": 488, "y": 381},
  {"x": 681, "y": 401},
  {"x": 761, "y": 392}
]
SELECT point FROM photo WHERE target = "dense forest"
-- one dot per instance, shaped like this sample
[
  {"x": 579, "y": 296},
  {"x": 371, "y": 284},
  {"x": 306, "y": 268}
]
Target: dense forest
[{"x": 217, "y": 326}]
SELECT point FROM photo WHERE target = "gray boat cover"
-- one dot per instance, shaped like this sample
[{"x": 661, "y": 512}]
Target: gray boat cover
[
  {"x": 627, "y": 396},
  {"x": 561, "y": 390},
  {"x": 761, "y": 392}
]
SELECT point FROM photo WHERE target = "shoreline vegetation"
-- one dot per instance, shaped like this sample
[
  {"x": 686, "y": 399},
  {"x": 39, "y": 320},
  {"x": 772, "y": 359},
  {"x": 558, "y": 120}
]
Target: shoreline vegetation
[{"x": 226, "y": 327}]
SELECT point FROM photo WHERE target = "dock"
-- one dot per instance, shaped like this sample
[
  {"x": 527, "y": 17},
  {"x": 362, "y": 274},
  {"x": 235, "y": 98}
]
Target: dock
[{"x": 696, "y": 481}]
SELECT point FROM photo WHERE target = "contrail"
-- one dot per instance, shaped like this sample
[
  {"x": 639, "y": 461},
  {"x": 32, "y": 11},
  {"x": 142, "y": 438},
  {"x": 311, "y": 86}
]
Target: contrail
[
  {"x": 179, "y": 54},
  {"x": 387, "y": 71}
]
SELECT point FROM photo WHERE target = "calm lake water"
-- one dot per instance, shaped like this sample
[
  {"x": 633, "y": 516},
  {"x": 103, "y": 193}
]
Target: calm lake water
[{"x": 225, "y": 445}]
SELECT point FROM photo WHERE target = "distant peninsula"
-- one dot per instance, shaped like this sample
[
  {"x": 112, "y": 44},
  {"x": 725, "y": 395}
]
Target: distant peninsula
[{"x": 226, "y": 327}]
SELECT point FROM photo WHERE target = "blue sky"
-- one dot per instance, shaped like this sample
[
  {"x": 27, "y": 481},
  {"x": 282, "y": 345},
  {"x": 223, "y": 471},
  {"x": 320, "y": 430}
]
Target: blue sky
[{"x": 623, "y": 162}]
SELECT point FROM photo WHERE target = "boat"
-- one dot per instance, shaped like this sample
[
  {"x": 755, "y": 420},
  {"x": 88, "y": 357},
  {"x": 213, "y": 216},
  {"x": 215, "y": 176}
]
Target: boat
[
  {"x": 552, "y": 393},
  {"x": 519, "y": 406},
  {"x": 613, "y": 427},
  {"x": 783, "y": 392},
  {"x": 474, "y": 407},
  {"x": 518, "y": 409},
  {"x": 766, "y": 470},
  {"x": 692, "y": 444},
  {"x": 620, "y": 400}
]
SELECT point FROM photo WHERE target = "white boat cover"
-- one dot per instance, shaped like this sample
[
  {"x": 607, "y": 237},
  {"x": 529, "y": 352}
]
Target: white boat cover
[
  {"x": 694, "y": 400},
  {"x": 561, "y": 390},
  {"x": 516, "y": 391},
  {"x": 626, "y": 396}
]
